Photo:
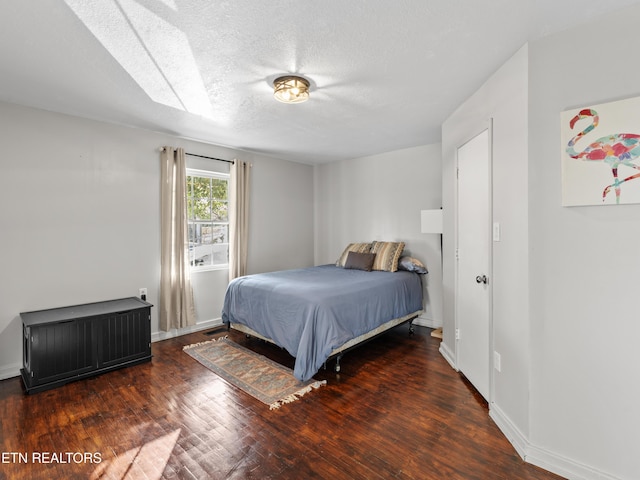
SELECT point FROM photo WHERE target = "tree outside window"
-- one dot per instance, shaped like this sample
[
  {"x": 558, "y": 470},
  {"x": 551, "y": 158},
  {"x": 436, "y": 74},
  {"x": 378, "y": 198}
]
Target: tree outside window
[{"x": 208, "y": 219}]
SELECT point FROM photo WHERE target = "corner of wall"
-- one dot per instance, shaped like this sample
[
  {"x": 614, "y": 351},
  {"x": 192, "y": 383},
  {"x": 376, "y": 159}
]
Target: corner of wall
[{"x": 448, "y": 355}]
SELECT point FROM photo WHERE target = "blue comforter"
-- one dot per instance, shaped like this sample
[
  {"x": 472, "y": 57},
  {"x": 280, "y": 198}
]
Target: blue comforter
[{"x": 312, "y": 311}]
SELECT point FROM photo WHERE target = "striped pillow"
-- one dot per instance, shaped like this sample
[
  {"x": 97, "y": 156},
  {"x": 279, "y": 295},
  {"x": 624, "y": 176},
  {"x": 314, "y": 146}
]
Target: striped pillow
[
  {"x": 352, "y": 247},
  {"x": 387, "y": 255}
]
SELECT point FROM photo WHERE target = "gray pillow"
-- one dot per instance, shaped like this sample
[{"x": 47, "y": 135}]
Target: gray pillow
[
  {"x": 360, "y": 261},
  {"x": 411, "y": 264}
]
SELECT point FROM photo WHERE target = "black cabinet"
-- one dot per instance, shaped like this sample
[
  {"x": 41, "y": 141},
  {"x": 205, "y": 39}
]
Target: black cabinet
[{"x": 61, "y": 345}]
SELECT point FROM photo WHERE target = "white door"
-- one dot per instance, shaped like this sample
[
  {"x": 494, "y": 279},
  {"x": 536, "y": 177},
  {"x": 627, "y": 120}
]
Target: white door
[{"x": 473, "y": 253}]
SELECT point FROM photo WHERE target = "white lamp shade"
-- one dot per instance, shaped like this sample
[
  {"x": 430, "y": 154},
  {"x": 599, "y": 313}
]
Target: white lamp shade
[{"x": 431, "y": 221}]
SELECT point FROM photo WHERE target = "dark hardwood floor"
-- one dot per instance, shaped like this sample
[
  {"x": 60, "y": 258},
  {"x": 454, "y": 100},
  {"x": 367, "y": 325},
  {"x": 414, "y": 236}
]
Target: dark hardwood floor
[{"x": 396, "y": 410}]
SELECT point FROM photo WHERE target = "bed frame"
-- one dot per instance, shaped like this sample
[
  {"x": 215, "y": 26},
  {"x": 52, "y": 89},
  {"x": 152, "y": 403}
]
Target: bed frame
[{"x": 351, "y": 344}]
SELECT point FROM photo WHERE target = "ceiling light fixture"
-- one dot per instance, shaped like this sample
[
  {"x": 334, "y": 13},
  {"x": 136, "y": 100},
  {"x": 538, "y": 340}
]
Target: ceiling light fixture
[{"x": 291, "y": 89}]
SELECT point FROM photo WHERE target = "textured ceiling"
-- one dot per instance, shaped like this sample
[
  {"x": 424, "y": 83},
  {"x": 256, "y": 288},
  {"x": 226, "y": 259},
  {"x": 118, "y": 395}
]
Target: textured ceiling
[{"x": 384, "y": 74}]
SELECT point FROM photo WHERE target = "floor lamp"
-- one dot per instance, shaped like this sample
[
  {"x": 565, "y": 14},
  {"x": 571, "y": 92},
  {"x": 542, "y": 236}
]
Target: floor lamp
[{"x": 431, "y": 222}]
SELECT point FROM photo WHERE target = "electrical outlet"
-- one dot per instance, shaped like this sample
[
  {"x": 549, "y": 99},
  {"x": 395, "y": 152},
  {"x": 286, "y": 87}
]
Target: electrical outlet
[
  {"x": 142, "y": 293},
  {"x": 497, "y": 361}
]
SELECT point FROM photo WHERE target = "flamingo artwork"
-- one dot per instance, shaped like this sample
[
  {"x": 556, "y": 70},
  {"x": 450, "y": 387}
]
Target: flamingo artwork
[{"x": 619, "y": 149}]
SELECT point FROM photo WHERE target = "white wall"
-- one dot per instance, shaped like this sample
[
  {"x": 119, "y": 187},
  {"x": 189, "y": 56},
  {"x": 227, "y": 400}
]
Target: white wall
[
  {"x": 585, "y": 267},
  {"x": 503, "y": 98},
  {"x": 79, "y": 213},
  {"x": 565, "y": 320},
  {"x": 379, "y": 198},
  {"x": 281, "y": 222}
]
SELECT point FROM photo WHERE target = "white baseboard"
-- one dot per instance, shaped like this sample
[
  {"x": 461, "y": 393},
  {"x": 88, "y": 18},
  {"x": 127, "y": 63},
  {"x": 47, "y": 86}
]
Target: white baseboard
[
  {"x": 10, "y": 371},
  {"x": 509, "y": 430},
  {"x": 563, "y": 466},
  {"x": 540, "y": 457},
  {"x": 159, "y": 336},
  {"x": 448, "y": 355},
  {"x": 424, "y": 321}
]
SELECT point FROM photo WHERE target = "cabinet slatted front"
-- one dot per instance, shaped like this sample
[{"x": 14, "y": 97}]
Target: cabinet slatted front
[
  {"x": 62, "y": 349},
  {"x": 66, "y": 344},
  {"x": 123, "y": 337}
]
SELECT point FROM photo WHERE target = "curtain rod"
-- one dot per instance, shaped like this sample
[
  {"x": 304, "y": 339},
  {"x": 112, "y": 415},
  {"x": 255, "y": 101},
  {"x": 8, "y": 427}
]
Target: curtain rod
[
  {"x": 209, "y": 158},
  {"x": 203, "y": 156}
]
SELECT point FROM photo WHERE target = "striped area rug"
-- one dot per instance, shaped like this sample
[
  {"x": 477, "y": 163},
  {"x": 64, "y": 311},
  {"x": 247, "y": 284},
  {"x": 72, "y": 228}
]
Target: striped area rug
[{"x": 255, "y": 374}]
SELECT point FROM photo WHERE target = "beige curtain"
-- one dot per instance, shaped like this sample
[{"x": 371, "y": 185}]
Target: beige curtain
[
  {"x": 238, "y": 218},
  {"x": 176, "y": 296}
]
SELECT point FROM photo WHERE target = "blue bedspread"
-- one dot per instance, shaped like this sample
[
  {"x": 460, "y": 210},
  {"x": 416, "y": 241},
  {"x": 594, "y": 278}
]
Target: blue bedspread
[{"x": 312, "y": 311}]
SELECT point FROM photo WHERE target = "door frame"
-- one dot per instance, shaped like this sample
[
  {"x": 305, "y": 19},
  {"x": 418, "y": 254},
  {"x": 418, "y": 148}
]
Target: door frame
[{"x": 476, "y": 130}]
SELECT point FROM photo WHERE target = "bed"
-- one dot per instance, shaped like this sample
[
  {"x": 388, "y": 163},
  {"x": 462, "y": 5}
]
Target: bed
[{"x": 320, "y": 312}]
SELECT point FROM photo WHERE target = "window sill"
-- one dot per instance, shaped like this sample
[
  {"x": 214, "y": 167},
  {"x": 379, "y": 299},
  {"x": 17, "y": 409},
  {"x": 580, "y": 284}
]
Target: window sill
[{"x": 211, "y": 268}]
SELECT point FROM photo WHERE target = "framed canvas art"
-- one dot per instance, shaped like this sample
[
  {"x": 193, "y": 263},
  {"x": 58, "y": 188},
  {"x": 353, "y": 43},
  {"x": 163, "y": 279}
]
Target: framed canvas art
[{"x": 601, "y": 154}]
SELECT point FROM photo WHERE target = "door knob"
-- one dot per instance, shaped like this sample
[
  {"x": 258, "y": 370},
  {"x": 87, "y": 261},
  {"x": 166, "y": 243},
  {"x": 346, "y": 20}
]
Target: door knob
[{"x": 482, "y": 279}]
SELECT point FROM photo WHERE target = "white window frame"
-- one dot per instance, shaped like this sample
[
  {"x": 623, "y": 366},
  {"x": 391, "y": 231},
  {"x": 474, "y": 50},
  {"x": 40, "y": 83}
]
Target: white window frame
[{"x": 193, "y": 172}]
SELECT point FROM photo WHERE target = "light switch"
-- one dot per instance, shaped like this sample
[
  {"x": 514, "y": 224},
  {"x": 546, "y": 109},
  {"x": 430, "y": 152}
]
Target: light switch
[{"x": 496, "y": 232}]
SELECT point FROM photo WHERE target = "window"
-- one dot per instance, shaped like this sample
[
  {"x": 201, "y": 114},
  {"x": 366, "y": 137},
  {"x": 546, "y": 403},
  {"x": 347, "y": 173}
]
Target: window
[{"x": 208, "y": 219}]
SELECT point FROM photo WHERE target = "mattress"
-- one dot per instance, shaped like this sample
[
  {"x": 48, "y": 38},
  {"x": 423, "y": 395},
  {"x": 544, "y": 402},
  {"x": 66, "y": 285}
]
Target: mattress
[{"x": 313, "y": 311}]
